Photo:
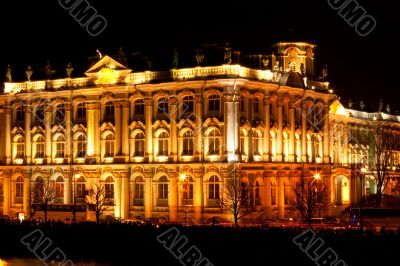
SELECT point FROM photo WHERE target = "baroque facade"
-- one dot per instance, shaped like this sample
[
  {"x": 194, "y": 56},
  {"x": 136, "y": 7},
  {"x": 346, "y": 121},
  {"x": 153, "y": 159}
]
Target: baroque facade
[{"x": 139, "y": 132}]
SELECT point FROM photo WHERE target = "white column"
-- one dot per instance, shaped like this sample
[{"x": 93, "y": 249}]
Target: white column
[
  {"x": 281, "y": 197},
  {"x": 67, "y": 189},
  {"x": 173, "y": 199},
  {"x": 292, "y": 137},
  {"x": 7, "y": 195},
  {"x": 268, "y": 197},
  {"x": 174, "y": 130},
  {"x": 28, "y": 136},
  {"x": 148, "y": 196},
  {"x": 93, "y": 149},
  {"x": 232, "y": 125},
  {"x": 7, "y": 135},
  {"x": 125, "y": 198},
  {"x": 304, "y": 135},
  {"x": 47, "y": 118},
  {"x": 279, "y": 139},
  {"x": 26, "y": 205},
  {"x": 149, "y": 129},
  {"x": 267, "y": 109},
  {"x": 118, "y": 128},
  {"x": 125, "y": 130},
  {"x": 199, "y": 128},
  {"x": 327, "y": 158},
  {"x": 117, "y": 196},
  {"x": 197, "y": 197},
  {"x": 68, "y": 134}
]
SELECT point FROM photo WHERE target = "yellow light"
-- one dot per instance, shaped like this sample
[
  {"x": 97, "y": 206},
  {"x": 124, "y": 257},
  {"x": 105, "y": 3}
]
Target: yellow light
[
  {"x": 107, "y": 75},
  {"x": 371, "y": 177},
  {"x": 3, "y": 263},
  {"x": 317, "y": 176},
  {"x": 182, "y": 177},
  {"x": 363, "y": 170}
]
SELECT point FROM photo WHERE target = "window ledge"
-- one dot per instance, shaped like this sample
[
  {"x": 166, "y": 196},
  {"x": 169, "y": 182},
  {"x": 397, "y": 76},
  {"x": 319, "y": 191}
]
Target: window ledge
[
  {"x": 38, "y": 160},
  {"x": 19, "y": 161},
  {"x": 162, "y": 158},
  {"x": 108, "y": 159}
]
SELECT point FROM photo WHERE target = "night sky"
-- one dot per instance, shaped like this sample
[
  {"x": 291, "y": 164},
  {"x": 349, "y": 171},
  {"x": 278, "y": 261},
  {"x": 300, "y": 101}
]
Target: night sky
[{"x": 363, "y": 68}]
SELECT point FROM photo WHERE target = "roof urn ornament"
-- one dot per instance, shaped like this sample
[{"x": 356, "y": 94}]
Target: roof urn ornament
[
  {"x": 69, "y": 69},
  {"x": 29, "y": 73},
  {"x": 9, "y": 74}
]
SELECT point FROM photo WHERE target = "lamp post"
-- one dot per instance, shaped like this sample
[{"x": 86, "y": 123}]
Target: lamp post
[
  {"x": 317, "y": 177},
  {"x": 362, "y": 177}
]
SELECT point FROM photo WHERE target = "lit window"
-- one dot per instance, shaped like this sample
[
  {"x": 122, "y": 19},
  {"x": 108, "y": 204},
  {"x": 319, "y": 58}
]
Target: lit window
[
  {"x": 19, "y": 190},
  {"x": 214, "y": 142},
  {"x": 213, "y": 188},
  {"x": 80, "y": 188},
  {"x": 139, "y": 188},
  {"x": 40, "y": 147},
  {"x": 139, "y": 145},
  {"x": 163, "y": 140},
  {"x": 59, "y": 188},
  {"x": 163, "y": 188},
  {"x": 109, "y": 188},
  {"x": 109, "y": 145},
  {"x": 20, "y": 148},
  {"x": 81, "y": 146},
  {"x": 187, "y": 143},
  {"x": 60, "y": 147}
]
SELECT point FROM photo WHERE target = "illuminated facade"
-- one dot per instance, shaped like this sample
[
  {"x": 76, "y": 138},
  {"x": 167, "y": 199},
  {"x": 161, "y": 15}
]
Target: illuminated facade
[{"x": 137, "y": 133}]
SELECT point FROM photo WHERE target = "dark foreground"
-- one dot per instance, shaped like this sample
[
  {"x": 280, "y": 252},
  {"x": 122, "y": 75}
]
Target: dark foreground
[{"x": 131, "y": 244}]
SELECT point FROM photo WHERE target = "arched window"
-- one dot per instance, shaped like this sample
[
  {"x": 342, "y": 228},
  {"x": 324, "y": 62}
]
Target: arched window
[
  {"x": 214, "y": 142},
  {"x": 40, "y": 147},
  {"x": 139, "y": 107},
  {"x": 188, "y": 188},
  {"x": 187, "y": 143},
  {"x": 38, "y": 190},
  {"x": 257, "y": 141},
  {"x": 139, "y": 188},
  {"x": 285, "y": 146},
  {"x": 80, "y": 189},
  {"x": 59, "y": 116},
  {"x": 213, "y": 188},
  {"x": 59, "y": 189},
  {"x": 81, "y": 111},
  {"x": 81, "y": 146},
  {"x": 109, "y": 188},
  {"x": 163, "y": 106},
  {"x": 162, "y": 192},
  {"x": 60, "y": 147},
  {"x": 214, "y": 103},
  {"x": 272, "y": 144},
  {"x": 298, "y": 147},
  {"x": 19, "y": 190},
  {"x": 139, "y": 145},
  {"x": 243, "y": 147},
  {"x": 163, "y": 140},
  {"x": 187, "y": 105},
  {"x": 20, "y": 148},
  {"x": 109, "y": 146},
  {"x": 20, "y": 114}
]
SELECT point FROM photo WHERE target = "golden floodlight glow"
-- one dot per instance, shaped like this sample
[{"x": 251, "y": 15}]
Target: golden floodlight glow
[
  {"x": 317, "y": 176},
  {"x": 107, "y": 75}
]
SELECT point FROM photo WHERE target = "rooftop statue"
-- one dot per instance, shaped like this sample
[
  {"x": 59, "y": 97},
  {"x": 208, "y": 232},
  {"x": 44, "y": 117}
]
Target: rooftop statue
[
  {"x": 69, "y": 69},
  {"x": 380, "y": 106},
  {"x": 199, "y": 56},
  {"x": 325, "y": 71},
  {"x": 228, "y": 54},
  {"x": 9, "y": 74},
  {"x": 29, "y": 73}
]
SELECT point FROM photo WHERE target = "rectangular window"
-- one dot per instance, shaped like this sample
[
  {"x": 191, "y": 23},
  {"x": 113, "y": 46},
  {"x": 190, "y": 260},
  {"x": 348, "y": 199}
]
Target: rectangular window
[
  {"x": 19, "y": 190},
  {"x": 139, "y": 191}
]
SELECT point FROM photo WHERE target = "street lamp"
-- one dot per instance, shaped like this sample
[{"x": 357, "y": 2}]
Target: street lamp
[{"x": 363, "y": 171}]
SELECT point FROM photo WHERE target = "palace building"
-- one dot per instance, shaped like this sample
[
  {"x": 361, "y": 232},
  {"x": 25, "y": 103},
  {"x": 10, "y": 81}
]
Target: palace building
[{"x": 165, "y": 143}]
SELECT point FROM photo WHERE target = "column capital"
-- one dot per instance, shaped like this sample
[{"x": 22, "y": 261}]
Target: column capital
[
  {"x": 267, "y": 100},
  {"x": 148, "y": 101},
  {"x": 173, "y": 100},
  {"x": 232, "y": 97},
  {"x": 67, "y": 107},
  {"x": 125, "y": 104},
  {"x": 92, "y": 106},
  {"x": 197, "y": 98}
]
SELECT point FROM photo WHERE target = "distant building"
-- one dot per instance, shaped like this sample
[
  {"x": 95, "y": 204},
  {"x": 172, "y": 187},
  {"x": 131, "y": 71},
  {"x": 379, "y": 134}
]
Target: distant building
[{"x": 139, "y": 133}]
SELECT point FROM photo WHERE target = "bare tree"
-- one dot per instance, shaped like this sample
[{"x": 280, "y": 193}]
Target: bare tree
[
  {"x": 236, "y": 199},
  {"x": 98, "y": 200},
  {"x": 43, "y": 195},
  {"x": 383, "y": 145},
  {"x": 309, "y": 197}
]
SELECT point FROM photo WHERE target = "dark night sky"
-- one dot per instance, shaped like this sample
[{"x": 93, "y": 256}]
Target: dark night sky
[{"x": 363, "y": 67}]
